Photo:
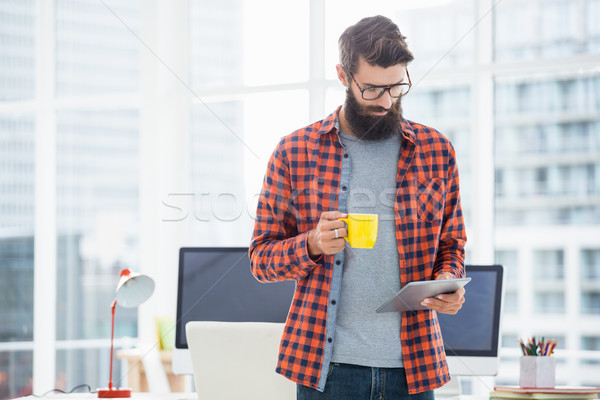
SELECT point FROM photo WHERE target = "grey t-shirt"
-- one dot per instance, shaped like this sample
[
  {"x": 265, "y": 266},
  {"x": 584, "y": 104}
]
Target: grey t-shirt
[{"x": 370, "y": 276}]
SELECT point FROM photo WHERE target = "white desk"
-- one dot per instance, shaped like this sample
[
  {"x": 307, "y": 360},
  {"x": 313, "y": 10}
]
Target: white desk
[
  {"x": 177, "y": 396},
  {"x": 138, "y": 396}
]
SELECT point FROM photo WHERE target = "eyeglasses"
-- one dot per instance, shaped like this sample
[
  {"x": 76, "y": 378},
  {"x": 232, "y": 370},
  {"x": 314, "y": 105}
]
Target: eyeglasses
[{"x": 375, "y": 92}]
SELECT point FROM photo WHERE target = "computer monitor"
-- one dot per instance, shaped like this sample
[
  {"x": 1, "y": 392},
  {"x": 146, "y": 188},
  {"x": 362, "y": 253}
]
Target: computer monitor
[
  {"x": 471, "y": 336},
  {"x": 215, "y": 284}
]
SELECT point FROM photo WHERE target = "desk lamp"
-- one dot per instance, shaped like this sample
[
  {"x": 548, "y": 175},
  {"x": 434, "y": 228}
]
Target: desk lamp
[{"x": 133, "y": 289}]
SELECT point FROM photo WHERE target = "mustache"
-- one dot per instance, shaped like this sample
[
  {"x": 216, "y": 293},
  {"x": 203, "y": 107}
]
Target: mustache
[{"x": 376, "y": 109}]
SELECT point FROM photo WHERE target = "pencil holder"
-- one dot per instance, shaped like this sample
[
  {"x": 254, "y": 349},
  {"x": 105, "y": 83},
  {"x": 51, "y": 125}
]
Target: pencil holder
[{"x": 537, "y": 372}]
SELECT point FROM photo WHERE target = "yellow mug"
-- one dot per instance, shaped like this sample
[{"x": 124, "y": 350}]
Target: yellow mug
[{"x": 362, "y": 230}]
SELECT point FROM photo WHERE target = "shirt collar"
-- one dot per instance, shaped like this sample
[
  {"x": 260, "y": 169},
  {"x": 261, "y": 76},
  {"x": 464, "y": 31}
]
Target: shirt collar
[
  {"x": 329, "y": 123},
  {"x": 407, "y": 131}
]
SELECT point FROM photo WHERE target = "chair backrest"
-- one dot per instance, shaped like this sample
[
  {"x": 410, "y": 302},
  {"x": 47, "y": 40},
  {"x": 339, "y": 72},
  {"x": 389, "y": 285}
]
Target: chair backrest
[{"x": 236, "y": 360}]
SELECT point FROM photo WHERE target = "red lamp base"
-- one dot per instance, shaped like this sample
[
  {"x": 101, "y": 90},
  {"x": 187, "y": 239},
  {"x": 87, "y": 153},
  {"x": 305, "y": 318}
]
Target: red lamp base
[{"x": 114, "y": 393}]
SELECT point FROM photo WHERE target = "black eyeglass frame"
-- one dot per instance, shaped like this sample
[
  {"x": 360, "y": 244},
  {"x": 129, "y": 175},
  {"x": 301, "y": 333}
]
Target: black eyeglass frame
[{"x": 385, "y": 88}]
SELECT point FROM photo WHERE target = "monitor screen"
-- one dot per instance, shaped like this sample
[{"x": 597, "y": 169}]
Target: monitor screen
[
  {"x": 471, "y": 335},
  {"x": 215, "y": 284}
]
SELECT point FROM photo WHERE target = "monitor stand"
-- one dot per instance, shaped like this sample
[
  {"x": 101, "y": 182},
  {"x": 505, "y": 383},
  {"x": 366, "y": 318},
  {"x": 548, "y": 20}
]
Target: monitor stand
[
  {"x": 466, "y": 387},
  {"x": 450, "y": 390}
]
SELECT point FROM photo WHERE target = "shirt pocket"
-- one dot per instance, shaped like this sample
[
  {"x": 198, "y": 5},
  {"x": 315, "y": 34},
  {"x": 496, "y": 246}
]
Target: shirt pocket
[{"x": 427, "y": 199}]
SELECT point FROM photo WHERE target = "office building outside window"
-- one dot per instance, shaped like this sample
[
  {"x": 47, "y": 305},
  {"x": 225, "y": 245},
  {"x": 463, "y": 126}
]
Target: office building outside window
[
  {"x": 590, "y": 281},
  {"x": 508, "y": 259},
  {"x": 547, "y": 160}
]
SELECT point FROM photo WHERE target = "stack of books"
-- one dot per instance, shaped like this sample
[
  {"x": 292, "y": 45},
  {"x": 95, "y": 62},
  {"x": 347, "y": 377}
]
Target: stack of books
[{"x": 559, "y": 392}]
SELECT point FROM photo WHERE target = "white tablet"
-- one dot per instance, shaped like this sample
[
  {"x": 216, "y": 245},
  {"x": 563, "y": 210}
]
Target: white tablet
[{"x": 410, "y": 296}]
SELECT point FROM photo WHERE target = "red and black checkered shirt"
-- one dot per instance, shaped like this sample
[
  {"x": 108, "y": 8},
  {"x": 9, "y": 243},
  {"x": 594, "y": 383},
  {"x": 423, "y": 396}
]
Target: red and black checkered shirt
[{"x": 301, "y": 182}]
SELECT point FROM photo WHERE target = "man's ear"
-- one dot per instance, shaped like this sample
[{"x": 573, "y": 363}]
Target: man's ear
[{"x": 341, "y": 73}]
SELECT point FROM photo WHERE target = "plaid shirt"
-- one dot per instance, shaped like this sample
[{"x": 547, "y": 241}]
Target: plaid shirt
[{"x": 301, "y": 182}]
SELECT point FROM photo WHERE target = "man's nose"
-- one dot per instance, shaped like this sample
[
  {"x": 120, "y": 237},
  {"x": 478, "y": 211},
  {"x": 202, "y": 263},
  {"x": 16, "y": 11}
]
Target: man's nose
[{"x": 385, "y": 100}]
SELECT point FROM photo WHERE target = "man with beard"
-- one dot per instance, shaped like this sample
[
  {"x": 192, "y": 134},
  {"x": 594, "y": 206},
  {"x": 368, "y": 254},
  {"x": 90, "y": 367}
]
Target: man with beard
[{"x": 363, "y": 158}]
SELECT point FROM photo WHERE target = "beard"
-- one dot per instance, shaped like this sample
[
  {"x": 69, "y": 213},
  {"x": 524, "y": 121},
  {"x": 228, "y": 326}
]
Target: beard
[{"x": 370, "y": 127}]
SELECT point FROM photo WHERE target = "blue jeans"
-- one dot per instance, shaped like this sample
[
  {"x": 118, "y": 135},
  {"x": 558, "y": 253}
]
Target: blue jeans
[{"x": 349, "y": 382}]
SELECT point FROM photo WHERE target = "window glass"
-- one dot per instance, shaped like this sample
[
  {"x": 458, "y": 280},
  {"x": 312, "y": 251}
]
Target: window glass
[
  {"x": 543, "y": 29},
  {"x": 511, "y": 301},
  {"x": 509, "y": 259},
  {"x": 590, "y": 265},
  {"x": 510, "y": 340},
  {"x": 275, "y": 38},
  {"x": 590, "y": 281},
  {"x": 231, "y": 143},
  {"x": 17, "y": 169},
  {"x": 17, "y": 60},
  {"x": 216, "y": 43},
  {"x": 97, "y": 219},
  {"x": 16, "y": 371},
  {"x": 590, "y": 343},
  {"x": 334, "y": 97},
  {"x": 547, "y": 168},
  {"x": 549, "y": 265},
  {"x": 97, "y": 46},
  {"x": 437, "y": 32},
  {"x": 590, "y": 301},
  {"x": 593, "y": 28},
  {"x": 549, "y": 303},
  {"x": 91, "y": 367},
  {"x": 235, "y": 43},
  {"x": 217, "y": 151}
]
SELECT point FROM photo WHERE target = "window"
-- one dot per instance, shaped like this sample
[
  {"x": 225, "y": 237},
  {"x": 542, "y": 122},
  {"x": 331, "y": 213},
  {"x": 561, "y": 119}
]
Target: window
[
  {"x": 97, "y": 175},
  {"x": 511, "y": 301},
  {"x": 549, "y": 265},
  {"x": 509, "y": 260},
  {"x": 97, "y": 218},
  {"x": 590, "y": 302},
  {"x": 550, "y": 28},
  {"x": 590, "y": 265},
  {"x": 17, "y": 63},
  {"x": 548, "y": 169},
  {"x": 216, "y": 43},
  {"x": 549, "y": 303},
  {"x": 16, "y": 249},
  {"x": 590, "y": 343},
  {"x": 96, "y": 53}
]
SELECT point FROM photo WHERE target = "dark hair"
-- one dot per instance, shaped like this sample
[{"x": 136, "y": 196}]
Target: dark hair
[{"x": 376, "y": 39}]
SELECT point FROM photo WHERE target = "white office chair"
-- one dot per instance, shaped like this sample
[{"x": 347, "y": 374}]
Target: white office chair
[{"x": 237, "y": 360}]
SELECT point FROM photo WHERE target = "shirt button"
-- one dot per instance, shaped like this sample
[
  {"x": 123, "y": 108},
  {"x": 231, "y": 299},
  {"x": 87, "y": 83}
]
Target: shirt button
[
  {"x": 333, "y": 302},
  {"x": 338, "y": 262},
  {"x": 329, "y": 340},
  {"x": 343, "y": 188},
  {"x": 346, "y": 155}
]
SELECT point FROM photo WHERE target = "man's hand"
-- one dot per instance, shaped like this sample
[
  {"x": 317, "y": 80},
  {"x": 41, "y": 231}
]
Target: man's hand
[
  {"x": 446, "y": 303},
  {"x": 322, "y": 239}
]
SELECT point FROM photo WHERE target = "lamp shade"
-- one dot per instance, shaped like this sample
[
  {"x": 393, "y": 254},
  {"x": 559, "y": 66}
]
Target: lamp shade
[{"x": 133, "y": 289}]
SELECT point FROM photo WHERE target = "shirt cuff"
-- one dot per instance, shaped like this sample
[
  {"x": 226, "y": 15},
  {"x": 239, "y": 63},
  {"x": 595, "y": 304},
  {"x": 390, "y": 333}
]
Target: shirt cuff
[{"x": 305, "y": 258}]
